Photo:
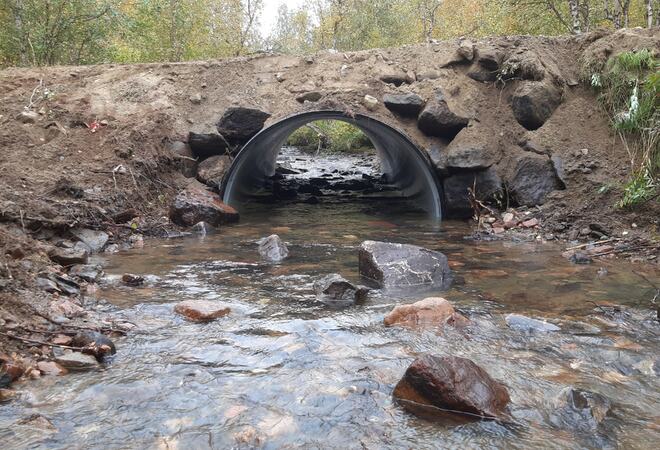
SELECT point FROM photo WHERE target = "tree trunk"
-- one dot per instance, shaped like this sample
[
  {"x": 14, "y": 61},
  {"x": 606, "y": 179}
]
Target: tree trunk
[
  {"x": 649, "y": 13},
  {"x": 575, "y": 16}
]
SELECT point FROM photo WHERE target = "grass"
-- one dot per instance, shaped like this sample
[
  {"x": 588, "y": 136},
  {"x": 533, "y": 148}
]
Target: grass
[
  {"x": 629, "y": 89},
  {"x": 330, "y": 135}
]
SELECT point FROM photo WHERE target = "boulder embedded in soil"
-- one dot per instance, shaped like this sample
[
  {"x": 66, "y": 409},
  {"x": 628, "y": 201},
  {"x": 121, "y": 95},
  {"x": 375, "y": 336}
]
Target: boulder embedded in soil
[
  {"x": 524, "y": 323},
  {"x": 212, "y": 170},
  {"x": 201, "y": 310},
  {"x": 272, "y": 248},
  {"x": 403, "y": 265},
  {"x": 312, "y": 96},
  {"x": 472, "y": 149},
  {"x": 533, "y": 177},
  {"x": 407, "y": 105},
  {"x": 430, "y": 312},
  {"x": 238, "y": 124},
  {"x": 93, "y": 239},
  {"x": 434, "y": 385},
  {"x": 334, "y": 288},
  {"x": 205, "y": 145},
  {"x": 534, "y": 102},
  {"x": 438, "y": 120},
  {"x": 196, "y": 204},
  {"x": 457, "y": 201},
  {"x": 76, "y": 361},
  {"x": 69, "y": 256},
  {"x": 186, "y": 160}
]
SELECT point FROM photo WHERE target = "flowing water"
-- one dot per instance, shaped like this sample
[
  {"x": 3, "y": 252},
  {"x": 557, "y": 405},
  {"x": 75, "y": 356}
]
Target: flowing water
[{"x": 285, "y": 371}]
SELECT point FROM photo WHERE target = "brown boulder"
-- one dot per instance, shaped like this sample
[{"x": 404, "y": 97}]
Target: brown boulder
[
  {"x": 201, "y": 310},
  {"x": 195, "y": 204},
  {"x": 434, "y": 386},
  {"x": 430, "y": 312}
]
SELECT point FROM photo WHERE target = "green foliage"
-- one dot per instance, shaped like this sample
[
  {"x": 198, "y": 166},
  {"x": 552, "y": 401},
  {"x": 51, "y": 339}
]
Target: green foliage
[
  {"x": 639, "y": 189},
  {"x": 330, "y": 135}
]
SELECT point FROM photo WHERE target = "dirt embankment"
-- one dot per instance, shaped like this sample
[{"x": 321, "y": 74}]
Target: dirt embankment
[{"x": 89, "y": 147}]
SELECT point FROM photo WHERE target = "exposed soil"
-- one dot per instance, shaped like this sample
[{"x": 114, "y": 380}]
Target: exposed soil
[{"x": 96, "y": 153}]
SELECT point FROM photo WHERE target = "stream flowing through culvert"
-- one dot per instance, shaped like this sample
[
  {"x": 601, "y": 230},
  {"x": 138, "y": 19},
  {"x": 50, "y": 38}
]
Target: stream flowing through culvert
[{"x": 285, "y": 371}]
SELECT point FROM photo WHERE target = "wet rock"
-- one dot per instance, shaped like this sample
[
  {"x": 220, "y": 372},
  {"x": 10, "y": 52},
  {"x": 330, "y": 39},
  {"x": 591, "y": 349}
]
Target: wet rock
[
  {"x": 202, "y": 228},
  {"x": 38, "y": 421},
  {"x": 93, "y": 239},
  {"x": 472, "y": 149},
  {"x": 239, "y": 124},
  {"x": 407, "y": 105},
  {"x": 334, "y": 288},
  {"x": 75, "y": 360},
  {"x": 212, "y": 170},
  {"x": 68, "y": 256},
  {"x": 87, "y": 272},
  {"x": 7, "y": 395},
  {"x": 50, "y": 368},
  {"x": 10, "y": 372},
  {"x": 451, "y": 383},
  {"x": 533, "y": 177},
  {"x": 457, "y": 203},
  {"x": 438, "y": 120},
  {"x": 205, "y": 145},
  {"x": 95, "y": 344},
  {"x": 272, "y": 248},
  {"x": 534, "y": 102},
  {"x": 580, "y": 410},
  {"x": 201, "y": 310},
  {"x": 430, "y": 312},
  {"x": 312, "y": 96},
  {"x": 196, "y": 204},
  {"x": 186, "y": 161},
  {"x": 131, "y": 279},
  {"x": 527, "y": 324},
  {"x": 402, "y": 265},
  {"x": 580, "y": 258}
]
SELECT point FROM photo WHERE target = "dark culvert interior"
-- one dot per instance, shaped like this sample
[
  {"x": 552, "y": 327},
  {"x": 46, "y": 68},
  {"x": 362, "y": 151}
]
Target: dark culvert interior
[{"x": 254, "y": 174}]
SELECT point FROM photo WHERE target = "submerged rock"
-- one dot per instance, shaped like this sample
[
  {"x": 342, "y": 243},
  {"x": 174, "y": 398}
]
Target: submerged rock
[
  {"x": 434, "y": 385},
  {"x": 430, "y": 312},
  {"x": 239, "y": 124},
  {"x": 201, "y": 310},
  {"x": 403, "y": 265},
  {"x": 524, "y": 323},
  {"x": 273, "y": 249},
  {"x": 334, "y": 288},
  {"x": 195, "y": 204},
  {"x": 580, "y": 410}
]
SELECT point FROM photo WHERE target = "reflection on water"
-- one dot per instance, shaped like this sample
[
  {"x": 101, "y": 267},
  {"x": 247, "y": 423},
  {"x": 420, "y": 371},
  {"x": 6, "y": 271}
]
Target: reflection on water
[{"x": 284, "y": 371}]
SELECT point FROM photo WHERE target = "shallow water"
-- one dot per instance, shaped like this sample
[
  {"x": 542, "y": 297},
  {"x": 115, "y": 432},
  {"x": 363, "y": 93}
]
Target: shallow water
[{"x": 285, "y": 371}]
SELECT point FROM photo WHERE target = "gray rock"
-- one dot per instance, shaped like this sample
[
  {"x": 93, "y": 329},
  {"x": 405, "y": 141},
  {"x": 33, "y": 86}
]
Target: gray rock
[
  {"x": 94, "y": 239},
  {"x": 87, "y": 272},
  {"x": 212, "y": 170},
  {"x": 534, "y": 102},
  {"x": 66, "y": 285},
  {"x": 202, "y": 228},
  {"x": 472, "y": 149},
  {"x": 407, "y": 105},
  {"x": 438, "y": 120},
  {"x": 47, "y": 285},
  {"x": 239, "y": 124},
  {"x": 272, "y": 248},
  {"x": 76, "y": 361},
  {"x": 524, "y": 323},
  {"x": 532, "y": 179},
  {"x": 457, "y": 204},
  {"x": 403, "y": 265},
  {"x": 205, "y": 145},
  {"x": 69, "y": 256},
  {"x": 335, "y": 289}
]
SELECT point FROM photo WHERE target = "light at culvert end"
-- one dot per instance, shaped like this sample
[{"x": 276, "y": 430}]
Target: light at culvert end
[{"x": 406, "y": 166}]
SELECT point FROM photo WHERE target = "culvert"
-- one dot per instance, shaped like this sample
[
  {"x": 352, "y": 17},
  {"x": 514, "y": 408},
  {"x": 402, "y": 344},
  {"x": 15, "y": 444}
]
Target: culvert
[{"x": 406, "y": 165}]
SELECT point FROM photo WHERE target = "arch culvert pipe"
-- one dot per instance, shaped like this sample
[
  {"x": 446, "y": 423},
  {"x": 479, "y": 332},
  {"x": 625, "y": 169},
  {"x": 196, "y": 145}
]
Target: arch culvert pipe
[{"x": 407, "y": 166}]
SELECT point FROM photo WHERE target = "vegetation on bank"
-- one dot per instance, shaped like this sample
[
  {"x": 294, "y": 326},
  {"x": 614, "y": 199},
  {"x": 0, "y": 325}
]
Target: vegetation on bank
[
  {"x": 47, "y": 32},
  {"x": 332, "y": 136},
  {"x": 628, "y": 87}
]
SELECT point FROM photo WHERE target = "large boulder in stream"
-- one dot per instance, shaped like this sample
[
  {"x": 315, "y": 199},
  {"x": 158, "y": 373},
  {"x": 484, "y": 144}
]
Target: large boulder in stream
[
  {"x": 403, "y": 265},
  {"x": 430, "y": 312},
  {"x": 435, "y": 385},
  {"x": 196, "y": 204},
  {"x": 238, "y": 124}
]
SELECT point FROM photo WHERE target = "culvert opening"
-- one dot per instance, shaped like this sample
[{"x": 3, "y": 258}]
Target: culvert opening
[{"x": 373, "y": 161}]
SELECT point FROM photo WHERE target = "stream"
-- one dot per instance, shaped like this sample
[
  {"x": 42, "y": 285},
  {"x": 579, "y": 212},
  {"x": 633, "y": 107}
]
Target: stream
[{"x": 283, "y": 370}]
